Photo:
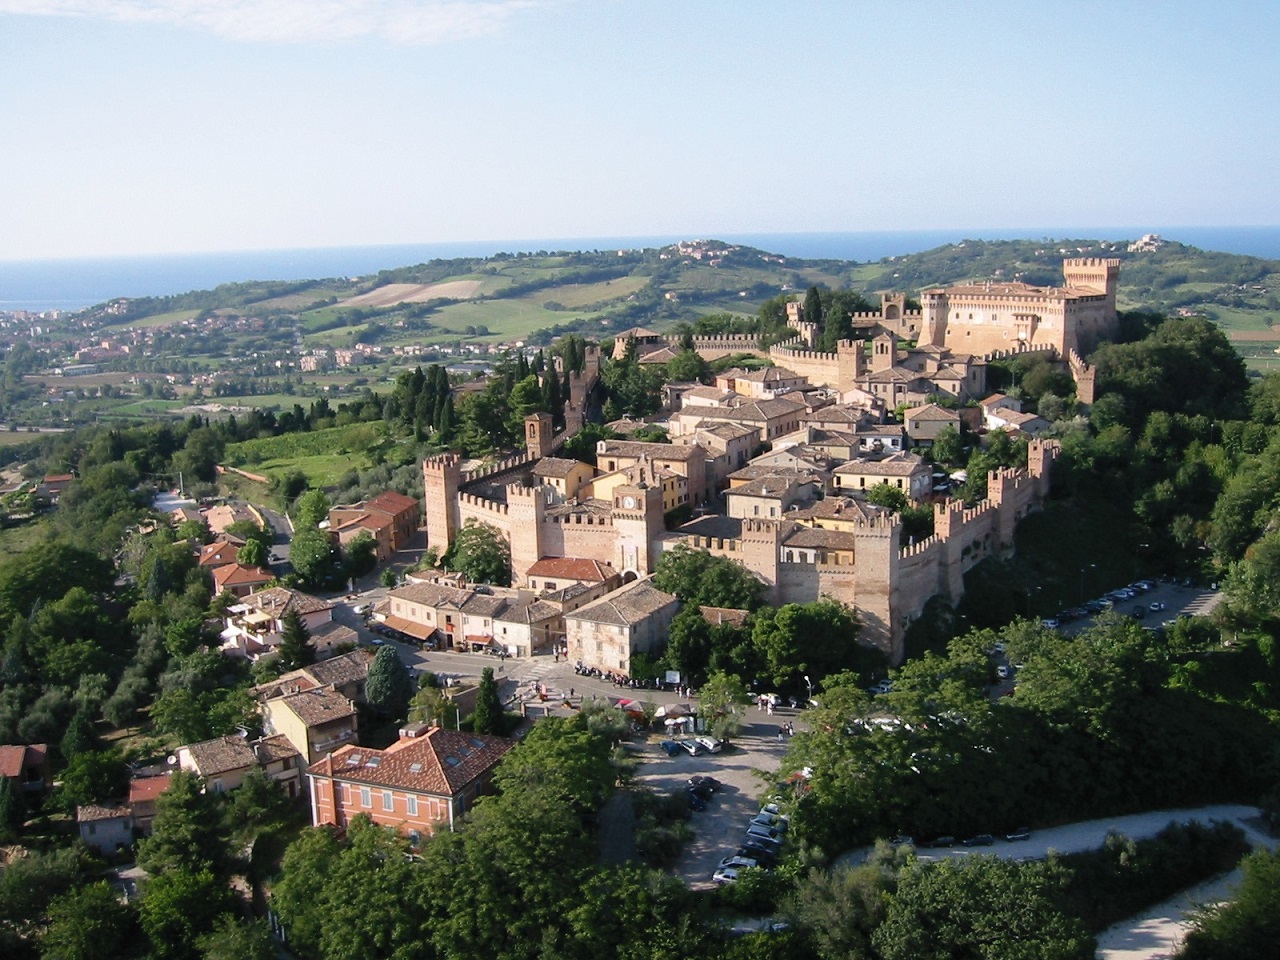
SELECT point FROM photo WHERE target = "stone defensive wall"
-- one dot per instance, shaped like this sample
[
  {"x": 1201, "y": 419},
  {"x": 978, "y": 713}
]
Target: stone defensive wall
[
  {"x": 715, "y": 346},
  {"x": 819, "y": 367}
]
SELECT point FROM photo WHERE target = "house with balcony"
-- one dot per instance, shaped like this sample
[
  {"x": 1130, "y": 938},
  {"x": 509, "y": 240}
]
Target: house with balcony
[
  {"x": 315, "y": 722},
  {"x": 252, "y": 627}
]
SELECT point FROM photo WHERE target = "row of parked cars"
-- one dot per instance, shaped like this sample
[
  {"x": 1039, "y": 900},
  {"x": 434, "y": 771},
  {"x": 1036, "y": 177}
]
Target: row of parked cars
[
  {"x": 1106, "y": 602},
  {"x": 759, "y": 848},
  {"x": 981, "y": 840},
  {"x": 692, "y": 746}
]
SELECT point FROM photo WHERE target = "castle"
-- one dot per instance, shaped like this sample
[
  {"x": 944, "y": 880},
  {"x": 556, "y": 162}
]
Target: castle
[{"x": 856, "y": 557}]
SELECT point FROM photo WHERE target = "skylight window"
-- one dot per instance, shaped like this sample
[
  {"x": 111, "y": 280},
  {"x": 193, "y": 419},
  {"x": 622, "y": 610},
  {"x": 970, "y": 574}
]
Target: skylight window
[
  {"x": 353, "y": 760},
  {"x": 373, "y": 761},
  {"x": 452, "y": 761},
  {"x": 415, "y": 768}
]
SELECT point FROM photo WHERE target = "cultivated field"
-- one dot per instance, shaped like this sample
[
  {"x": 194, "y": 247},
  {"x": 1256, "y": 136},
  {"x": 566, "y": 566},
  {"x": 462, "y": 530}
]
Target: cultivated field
[{"x": 394, "y": 293}]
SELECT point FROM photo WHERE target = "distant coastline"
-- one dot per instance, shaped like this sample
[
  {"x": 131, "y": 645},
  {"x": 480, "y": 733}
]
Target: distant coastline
[{"x": 73, "y": 284}]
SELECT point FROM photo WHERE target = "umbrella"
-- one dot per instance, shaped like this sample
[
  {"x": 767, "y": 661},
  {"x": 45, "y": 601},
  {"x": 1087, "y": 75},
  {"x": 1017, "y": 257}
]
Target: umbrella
[
  {"x": 631, "y": 706},
  {"x": 676, "y": 721}
]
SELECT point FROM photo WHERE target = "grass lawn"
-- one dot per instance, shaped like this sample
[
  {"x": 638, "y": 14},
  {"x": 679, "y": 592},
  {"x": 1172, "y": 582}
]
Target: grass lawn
[
  {"x": 158, "y": 320},
  {"x": 145, "y": 407}
]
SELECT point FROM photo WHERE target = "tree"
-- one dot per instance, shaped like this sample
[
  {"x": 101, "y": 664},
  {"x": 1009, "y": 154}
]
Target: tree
[
  {"x": 816, "y": 639},
  {"x": 13, "y": 808},
  {"x": 252, "y": 554},
  {"x": 362, "y": 555},
  {"x": 185, "y": 835},
  {"x": 982, "y": 908},
  {"x": 812, "y": 309},
  {"x": 561, "y": 757},
  {"x": 90, "y": 924},
  {"x": 312, "y": 555},
  {"x": 487, "y": 716},
  {"x": 388, "y": 687},
  {"x": 232, "y": 939},
  {"x": 947, "y": 447},
  {"x": 1247, "y": 926},
  {"x": 311, "y": 508},
  {"x": 296, "y": 649},
  {"x": 258, "y": 802},
  {"x": 840, "y": 908},
  {"x": 688, "y": 367},
  {"x": 93, "y": 776},
  {"x": 723, "y": 702},
  {"x": 179, "y": 906},
  {"x": 696, "y": 576},
  {"x": 888, "y": 496},
  {"x": 482, "y": 553}
]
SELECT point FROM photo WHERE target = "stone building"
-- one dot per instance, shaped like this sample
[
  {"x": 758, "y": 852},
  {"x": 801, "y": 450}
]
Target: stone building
[{"x": 606, "y": 634}]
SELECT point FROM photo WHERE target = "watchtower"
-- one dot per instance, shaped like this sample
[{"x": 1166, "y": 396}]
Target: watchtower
[
  {"x": 440, "y": 479},
  {"x": 538, "y": 435}
]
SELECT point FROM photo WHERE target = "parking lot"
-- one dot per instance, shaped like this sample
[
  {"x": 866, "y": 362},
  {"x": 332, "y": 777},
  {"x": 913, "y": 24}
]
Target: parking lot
[{"x": 720, "y": 828}]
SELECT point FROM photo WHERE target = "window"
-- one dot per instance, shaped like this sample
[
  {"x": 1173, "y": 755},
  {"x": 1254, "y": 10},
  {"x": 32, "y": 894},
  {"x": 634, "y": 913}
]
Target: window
[
  {"x": 366, "y": 797},
  {"x": 388, "y": 801},
  {"x": 411, "y": 806}
]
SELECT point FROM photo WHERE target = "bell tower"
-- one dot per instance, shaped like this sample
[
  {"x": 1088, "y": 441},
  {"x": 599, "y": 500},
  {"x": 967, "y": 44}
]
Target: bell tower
[{"x": 638, "y": 521}]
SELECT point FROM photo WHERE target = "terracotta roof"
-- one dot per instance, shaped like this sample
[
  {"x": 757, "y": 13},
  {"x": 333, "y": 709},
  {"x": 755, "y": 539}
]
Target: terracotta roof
[
  {"x": 714, "y": 394},
  {"x": 773, "y": 486},
  {"x": 836, "y": 413},
  {"x": 931, "y": 411},
  {"x": 272, "y": 749},
  {"x": 894, "y": 465},
  {"x": 636, "y": 332},
  {"x": 145, "y": 789},
  {"x": 238, "y": 575},
  {"x": 558, "y": 467},
  {"x": 719, "y": 615},
  {"x": 93, "y": 812},
  {"x": 319, "y": 706},
  {"x": 768, "y": 375},
  {"x": 419, "y": 630},
  {"x": 839, "y": 508},
  {"x": 349, "y": 667},
  {"x": 13, "y": 758},
  {"x": 572, "y": 568},
  {"x": 278, "y": 601},
  {"x": 217, "y": 554},
  {"x": 221, "y": 755},
  {"x": 725, "y": 429},
  {"x": 626, "y": 606},
  {"x": 438, "y": 762},
  {"x": 660, "y": 355},
  {"x": 389, "y": 501},
  {"x": 654, "y": 451},
  {"x": 818, "y": 537},
  {"x": 367, "y": 520},
  {"x": 590, "y": 507},
  {"x": 331, "y": 634}
]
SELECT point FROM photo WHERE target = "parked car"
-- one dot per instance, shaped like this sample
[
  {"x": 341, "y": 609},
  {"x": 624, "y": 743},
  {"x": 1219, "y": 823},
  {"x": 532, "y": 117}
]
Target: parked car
[
  {"x": 762, "y": 832},
  {"x": 711, "y": 744},
  {"x": 947, "y": 841},
  {"x": 769, "y": 820},
  {"x": 693, "y": 746},
  {"x": 763, "y": 853},
  {"x": 700, "y": 791},
  {"x": 1049, "y": 623},
  {"x": 1155, "y": 606},
  {"x": 696, "y": 803},
  {"x": 1022, "y": 833},
  {"x": 670, "y": 747},
  {"x": 737, "y": 863},
  {"x": 725, "y": 875},
  {"x": 1002, "y": 672},
  {"x": 701, "y": 780},
  {"x": 981, "y": 840},
  {"x": 902, "y": 840}
]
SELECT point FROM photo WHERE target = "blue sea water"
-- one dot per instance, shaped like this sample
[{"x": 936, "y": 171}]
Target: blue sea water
[{"x": 72, "y": 284}]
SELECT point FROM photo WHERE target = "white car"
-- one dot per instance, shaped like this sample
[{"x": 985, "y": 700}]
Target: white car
[
  {"x": 693, "y": 746},
  {"x": 711, "y": 744},
  {"x": 1002, "y": 672},
  {"x": 737, "y": 863},
  {"x": 725, "y": 875}
]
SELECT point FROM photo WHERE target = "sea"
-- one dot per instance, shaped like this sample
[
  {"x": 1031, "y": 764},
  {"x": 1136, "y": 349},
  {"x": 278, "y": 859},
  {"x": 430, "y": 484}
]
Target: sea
[{"x": 73, "y": 284}]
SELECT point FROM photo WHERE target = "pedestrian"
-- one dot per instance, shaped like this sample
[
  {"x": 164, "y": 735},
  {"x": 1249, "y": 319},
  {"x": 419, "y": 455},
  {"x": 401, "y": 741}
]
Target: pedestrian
[
  {"x": 780, "y": 731},
  {"x": 571, "y": 691},
  {"x": 771, "y": 708}
]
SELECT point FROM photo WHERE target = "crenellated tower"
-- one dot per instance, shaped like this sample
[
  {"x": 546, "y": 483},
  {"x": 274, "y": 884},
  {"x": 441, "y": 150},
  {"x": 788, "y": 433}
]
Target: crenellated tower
[{"x": 441, "y": 477}]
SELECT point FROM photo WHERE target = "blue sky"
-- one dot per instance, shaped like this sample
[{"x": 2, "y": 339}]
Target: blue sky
[{"x": 153, "y": 126}]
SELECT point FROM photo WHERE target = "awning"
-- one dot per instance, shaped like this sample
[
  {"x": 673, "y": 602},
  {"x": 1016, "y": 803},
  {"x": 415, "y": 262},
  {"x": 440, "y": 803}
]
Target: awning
[{"x": 419, "y": 630}]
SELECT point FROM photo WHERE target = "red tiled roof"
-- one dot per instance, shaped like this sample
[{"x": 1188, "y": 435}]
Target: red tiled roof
[
  {"x": 147, "y": 788},
  {"x": 439, "y": 762},
  {"x": 217, "y": 554},
  {"x": 14, "y": 757},
  {"x": 237, "y": 574},
  {"x": 391, "y": 502},
  {"x": 572, "y": 568}
]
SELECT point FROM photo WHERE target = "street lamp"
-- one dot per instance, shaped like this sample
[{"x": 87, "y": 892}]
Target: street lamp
[{"x": 809, "y": 683}]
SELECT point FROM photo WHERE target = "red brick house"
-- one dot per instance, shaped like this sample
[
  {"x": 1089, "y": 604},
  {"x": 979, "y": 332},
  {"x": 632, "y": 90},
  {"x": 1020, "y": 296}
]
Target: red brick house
[
  {"x": 239, "y": 580},
  {"x": 26, "y": 765},
  {"x": 390, "y": 518},
  {"x": 424, "y": 781}
]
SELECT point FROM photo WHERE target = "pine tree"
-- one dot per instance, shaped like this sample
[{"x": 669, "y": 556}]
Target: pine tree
[
  {"x": 487, "y": 716},
  {"x": 388, "y": 687},
  {"x": 812, "y": 306},
  {"x": 296, "y": 648}
]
